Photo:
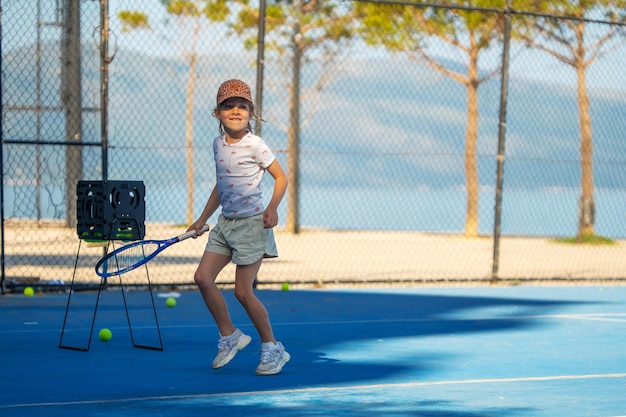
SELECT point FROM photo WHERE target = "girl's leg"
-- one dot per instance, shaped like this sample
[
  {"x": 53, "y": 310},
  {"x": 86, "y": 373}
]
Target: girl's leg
[
  {"x": 209, "y": 268},
  {"x": 244, "y": 291}
]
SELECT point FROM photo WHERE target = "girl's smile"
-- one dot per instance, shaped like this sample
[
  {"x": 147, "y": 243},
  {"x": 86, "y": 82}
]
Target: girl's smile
[{"x": 235, "y": 115}]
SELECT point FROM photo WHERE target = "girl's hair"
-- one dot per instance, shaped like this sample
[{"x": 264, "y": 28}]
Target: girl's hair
[{"x": 249, "y": 127}]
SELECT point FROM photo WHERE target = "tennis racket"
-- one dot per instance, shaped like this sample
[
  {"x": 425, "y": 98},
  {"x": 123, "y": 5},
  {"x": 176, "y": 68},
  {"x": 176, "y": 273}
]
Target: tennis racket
[{"x": 135, "y": 254}]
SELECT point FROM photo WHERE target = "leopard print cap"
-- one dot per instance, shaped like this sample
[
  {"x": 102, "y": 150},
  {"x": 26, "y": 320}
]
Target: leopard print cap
[{"x": 233, "y": 88}]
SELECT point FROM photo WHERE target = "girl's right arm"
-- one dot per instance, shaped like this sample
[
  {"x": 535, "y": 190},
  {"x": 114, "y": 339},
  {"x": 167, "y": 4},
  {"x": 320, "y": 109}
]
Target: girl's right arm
[{"x": 211, "y": 205}]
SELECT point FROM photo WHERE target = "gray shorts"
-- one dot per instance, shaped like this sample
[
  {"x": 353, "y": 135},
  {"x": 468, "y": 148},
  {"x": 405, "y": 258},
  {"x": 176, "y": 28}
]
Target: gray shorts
[{"x": 244, "y": 240}]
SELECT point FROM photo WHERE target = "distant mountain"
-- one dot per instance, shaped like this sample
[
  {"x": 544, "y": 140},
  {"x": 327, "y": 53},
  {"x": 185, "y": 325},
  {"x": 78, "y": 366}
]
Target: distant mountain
[{"x": 380, "y": 122}]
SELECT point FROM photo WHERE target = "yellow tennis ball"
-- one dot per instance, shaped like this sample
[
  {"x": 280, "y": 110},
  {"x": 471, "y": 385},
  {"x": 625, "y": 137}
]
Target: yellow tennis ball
[
  {"x": 29, "y": 292},
  {"x": 105, "y": 335},
  {"x": 285, "y": 286},
  {"x": 170, "y": 302}
]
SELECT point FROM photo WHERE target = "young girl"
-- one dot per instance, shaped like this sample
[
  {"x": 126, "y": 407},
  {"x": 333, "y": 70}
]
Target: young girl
[{"x": 243, "y": 233}]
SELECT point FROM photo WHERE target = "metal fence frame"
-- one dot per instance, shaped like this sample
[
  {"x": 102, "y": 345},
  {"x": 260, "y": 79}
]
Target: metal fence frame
[{"x": 105, "y": 60}]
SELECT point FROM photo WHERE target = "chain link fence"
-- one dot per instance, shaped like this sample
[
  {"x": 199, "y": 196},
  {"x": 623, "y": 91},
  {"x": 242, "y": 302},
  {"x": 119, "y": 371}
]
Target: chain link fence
[{"x": 388, "y": 186}]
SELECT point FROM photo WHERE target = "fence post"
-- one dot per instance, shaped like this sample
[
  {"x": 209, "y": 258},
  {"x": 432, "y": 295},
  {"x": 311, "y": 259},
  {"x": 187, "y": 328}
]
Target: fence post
[
  {"x": 1, "y": 168},
  {"x": 104, "y": 86},
  {"x": 260, "y": 62},
  {"x": 72, "y": 102},
  {"x": 501, "y": 139}
]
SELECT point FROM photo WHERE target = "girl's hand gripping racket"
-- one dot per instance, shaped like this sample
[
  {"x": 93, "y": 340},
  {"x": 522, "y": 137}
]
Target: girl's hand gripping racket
[{"x": 135, "y": 254}]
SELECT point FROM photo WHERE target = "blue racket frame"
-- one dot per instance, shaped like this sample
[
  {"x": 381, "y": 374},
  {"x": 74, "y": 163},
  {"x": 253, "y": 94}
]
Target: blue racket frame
[{"x": 104, "y": 272}]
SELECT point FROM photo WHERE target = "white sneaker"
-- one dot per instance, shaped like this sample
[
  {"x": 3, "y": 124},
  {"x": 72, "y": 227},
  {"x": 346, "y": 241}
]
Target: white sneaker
[
  {"x": 273, "y": 358},
  {"x": 228, "y": 346}
]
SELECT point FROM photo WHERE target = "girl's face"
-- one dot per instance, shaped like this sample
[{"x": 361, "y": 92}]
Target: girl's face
[{"x": 235, "y": 114}]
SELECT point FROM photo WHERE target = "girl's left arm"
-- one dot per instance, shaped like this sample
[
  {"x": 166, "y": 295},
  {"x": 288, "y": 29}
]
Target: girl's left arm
[{"x": 270, "y": 217}]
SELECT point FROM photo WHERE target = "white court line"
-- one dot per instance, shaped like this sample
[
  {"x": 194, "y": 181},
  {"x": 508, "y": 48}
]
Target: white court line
[
  {"x": 321, "y": 389},
  {"x": 592, "y": 317}
]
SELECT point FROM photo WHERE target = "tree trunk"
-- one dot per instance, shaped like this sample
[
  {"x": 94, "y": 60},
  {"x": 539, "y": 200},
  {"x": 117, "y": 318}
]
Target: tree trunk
[
  {"x": 586, "y": 213},
  {"x": 191, "y": 79},
  {"x": 471, "y": 137},
  {"x": 293, "y": 142}
]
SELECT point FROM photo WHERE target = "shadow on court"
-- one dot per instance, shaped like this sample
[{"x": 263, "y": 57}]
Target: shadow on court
[{"x": 357, "y": 353}]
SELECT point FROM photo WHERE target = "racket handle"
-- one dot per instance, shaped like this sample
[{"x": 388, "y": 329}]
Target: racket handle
[{"x": 192, "y": 233}]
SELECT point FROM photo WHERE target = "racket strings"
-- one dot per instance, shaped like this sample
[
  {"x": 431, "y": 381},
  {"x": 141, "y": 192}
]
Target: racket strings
[{"x": 130, "y": 256}]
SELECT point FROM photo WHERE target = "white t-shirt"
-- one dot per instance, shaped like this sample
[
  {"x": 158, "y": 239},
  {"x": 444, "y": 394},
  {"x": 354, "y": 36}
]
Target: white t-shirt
[{"x": 239, "y": 168}]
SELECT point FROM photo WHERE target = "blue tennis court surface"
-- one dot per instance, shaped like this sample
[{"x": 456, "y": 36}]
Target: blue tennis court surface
[{"x": 442, "y": 352}]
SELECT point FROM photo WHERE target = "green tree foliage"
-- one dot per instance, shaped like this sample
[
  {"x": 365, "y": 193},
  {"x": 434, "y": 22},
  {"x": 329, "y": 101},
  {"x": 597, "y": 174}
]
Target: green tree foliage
[{"x": 132, "y": 20}]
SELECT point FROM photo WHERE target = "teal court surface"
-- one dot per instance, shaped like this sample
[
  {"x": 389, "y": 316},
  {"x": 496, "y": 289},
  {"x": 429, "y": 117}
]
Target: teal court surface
[{"x": 427, "y": 351}]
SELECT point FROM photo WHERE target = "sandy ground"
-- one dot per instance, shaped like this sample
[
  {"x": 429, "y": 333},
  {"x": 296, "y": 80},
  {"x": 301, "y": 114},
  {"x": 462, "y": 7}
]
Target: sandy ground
[{"x": 326, "y": 258}]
